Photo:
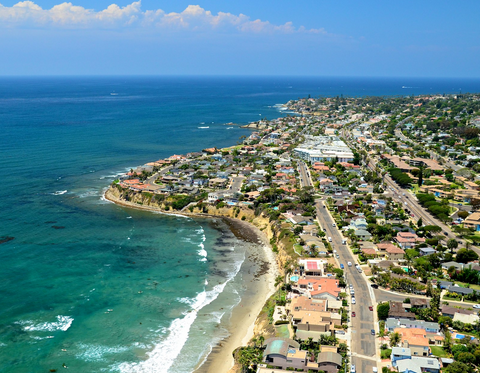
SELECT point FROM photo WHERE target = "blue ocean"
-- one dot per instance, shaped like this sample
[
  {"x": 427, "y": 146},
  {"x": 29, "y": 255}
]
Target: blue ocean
[{"x": 96, "y": 287}]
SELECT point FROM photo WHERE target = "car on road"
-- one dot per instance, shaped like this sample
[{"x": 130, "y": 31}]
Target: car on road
[
  {"x": 352, "y": 292},
  {"x": 329, "y": 239},
  {"x": 354, "y": 301},
  {"x": 349, "y": 264},
  {"x": 333, "y": 225},
  {"x": 412, "y": 215},
  {"x": 353, "y": 314},
  {"x": 372, "y": 331},
  {"x": 337, "y": 256},
  {"x": 370, "y": 308},
  {"x": 324, "y": 229},
  {"x": 342, "y": 266},
  {"x": 476, "y": 306},
  {"x": 352, "y": 369}
]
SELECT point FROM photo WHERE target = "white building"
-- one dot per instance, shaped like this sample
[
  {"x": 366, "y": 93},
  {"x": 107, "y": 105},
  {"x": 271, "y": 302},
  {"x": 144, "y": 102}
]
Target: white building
[{"x": 324, "y": 148}]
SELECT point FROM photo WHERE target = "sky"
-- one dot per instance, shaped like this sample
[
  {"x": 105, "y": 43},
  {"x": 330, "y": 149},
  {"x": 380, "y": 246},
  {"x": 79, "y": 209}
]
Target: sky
[{"x": 407, "y": 38}]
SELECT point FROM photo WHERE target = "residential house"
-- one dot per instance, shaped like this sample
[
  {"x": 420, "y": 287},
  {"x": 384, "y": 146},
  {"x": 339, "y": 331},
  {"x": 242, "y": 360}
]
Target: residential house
[
  {"x": 472, "y": 221},
  {"x": 311, "y": 267},
  {"x": 400, "y": 353},
  {"x": 393, "y": 252},
  {"x": 319, "y": 288},
  {"x": 430, "y": 327},
  {"x": 284, "y": 353},
  {"x": 427, "y": 251},
  {"x": 407, "y": 240},
  {"x": 451, "y": 311},
  {"x": 301, "y": 220},
  {"x": 417, "y": 364},
  {"x": 399, "y": 311},
  {"x": 329, "y": 360},
  {"x": 363, "y": 234},
  {"x": 414, "y": 339}
]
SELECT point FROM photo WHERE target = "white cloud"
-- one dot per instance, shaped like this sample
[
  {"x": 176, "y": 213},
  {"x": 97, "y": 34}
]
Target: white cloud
[{"x": 193, "y": 18}]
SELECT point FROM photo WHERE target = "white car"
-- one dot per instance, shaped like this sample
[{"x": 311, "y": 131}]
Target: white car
[
  {"x": 476, "y": 306},
  {"x": 353, "y": 369},
  {"x": 349, "y": 264},
  {"x": 333, "y": 225},
  {"x": 354, "y": 301}
]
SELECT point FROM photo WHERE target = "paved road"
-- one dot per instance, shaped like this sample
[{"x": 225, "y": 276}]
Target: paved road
[
  {"x": 363, "y": 342},
  {"x": 433, "y": 154},
  {"x": 236, "y": 184},
  {"x": 409, "y": 202},
  {"x": 305, "y": 180}
]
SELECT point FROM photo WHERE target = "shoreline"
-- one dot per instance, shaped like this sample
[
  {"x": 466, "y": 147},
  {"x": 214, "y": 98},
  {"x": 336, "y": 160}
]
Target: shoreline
[{"x": 241, "y": 326}]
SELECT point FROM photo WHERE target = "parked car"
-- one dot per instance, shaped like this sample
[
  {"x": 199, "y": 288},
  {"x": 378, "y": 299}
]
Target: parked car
[
  {"x": 370, "y": 308},
  {"x": 372, "y": 331},
  {"x": 476, "y": 306},
  {"x": 333, "y": 225},
  {"x": 349, "y": 264},
  {"x": 352, "y": 369},
  {"x": 354, "y": 301},
  {"x": 342, "y": 266},
  {"x": 353, "y": 314}
]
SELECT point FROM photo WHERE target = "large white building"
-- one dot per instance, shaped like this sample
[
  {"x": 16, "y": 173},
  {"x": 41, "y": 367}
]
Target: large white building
[{"x": 324, "y": 148}]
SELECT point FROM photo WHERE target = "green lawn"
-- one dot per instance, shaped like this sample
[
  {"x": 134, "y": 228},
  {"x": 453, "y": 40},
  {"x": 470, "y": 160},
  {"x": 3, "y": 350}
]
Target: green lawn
[
  {"x": 385, "y": 354},
  {"x": 438, "y": 351}
]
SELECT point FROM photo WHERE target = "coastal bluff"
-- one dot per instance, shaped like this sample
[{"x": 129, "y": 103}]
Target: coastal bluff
[
  {"x": 146, "y": 201},
  {"x": 245, "y": 225}
]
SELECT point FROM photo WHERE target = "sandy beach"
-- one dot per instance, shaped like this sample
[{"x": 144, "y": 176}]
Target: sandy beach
[
  {"x": 260, "y": 265},
  {"x": 261, "y": 287}
]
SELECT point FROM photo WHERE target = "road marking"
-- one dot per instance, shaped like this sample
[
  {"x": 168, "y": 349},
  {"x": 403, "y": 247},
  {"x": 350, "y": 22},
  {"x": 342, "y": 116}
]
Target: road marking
[{"x": 372, "y": 358}]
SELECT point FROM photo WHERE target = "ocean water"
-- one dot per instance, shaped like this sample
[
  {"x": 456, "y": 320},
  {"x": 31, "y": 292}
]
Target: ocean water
[{"x": 102, "y": 288}]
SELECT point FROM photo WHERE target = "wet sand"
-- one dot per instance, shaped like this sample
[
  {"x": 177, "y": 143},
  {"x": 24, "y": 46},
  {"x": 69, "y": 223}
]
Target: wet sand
[{"x": 263, "y": 270}]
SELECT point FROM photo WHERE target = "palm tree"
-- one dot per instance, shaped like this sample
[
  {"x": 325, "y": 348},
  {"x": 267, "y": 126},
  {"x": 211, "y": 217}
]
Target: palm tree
[{"x": 395, "y": 339}]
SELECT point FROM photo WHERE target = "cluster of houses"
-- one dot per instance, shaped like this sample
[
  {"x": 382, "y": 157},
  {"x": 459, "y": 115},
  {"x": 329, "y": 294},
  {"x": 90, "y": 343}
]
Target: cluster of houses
[
  {"x": 413, "y": 353},
  {"x": 314, "y": 310}
]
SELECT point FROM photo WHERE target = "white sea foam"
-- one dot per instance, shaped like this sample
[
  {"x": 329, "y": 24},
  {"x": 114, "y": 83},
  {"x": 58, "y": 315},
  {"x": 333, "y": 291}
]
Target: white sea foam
[
  {"x": 171, "y": 214},
  {"x": 163, "y": 356},
  {"x": 59, "y": 192},
  {"x": 204, "y": 127},
  {"x": 62, "y": 323},
  {"x": 89, "y": 193},
  {"x": 92, "y": 352}
]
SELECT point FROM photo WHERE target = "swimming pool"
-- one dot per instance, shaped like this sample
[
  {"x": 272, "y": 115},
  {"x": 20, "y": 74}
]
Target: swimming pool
[{"x": 294, "y": 278}]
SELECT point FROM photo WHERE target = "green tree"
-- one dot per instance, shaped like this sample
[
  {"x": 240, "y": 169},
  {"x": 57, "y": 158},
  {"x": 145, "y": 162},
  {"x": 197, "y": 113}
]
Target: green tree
[
  {"x": 298, "y": 229},
  {"x": 466, "y": 357},
  {"x": 466, "y": 255},
  {"x": 452, "y": 244},
  {"x": 459, "y": 367},
  {"x": 382, "y": 310},
  {"x": 394, "y": 339}
]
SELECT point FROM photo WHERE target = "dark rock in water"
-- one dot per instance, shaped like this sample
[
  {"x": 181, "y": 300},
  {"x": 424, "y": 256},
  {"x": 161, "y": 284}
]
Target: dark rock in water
[
  {"x": 50, "y": 222},
  {"x": 6, "y": 239},
  {"x": 57, "y": 227}
]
